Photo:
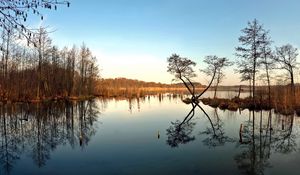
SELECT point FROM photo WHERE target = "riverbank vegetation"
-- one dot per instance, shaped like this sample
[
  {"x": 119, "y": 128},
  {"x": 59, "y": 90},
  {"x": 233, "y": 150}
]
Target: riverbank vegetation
[
  {"x": 45, "y": 72},
  {"x": 32, "y": 68},
  {"x": 122, "y": 87}
]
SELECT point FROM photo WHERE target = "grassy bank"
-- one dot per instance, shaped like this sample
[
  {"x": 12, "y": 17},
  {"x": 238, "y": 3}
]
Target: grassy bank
[{"x": 247, "y": 103}]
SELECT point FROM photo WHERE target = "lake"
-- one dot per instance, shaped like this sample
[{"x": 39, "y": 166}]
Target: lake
[{"x": 151, "y": 135}]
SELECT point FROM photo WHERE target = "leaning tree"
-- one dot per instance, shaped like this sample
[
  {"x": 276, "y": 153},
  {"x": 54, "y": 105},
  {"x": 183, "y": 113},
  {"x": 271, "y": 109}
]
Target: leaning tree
[
  {"x": 216, "y": 65},
  {"x": 182, "y": 69}
]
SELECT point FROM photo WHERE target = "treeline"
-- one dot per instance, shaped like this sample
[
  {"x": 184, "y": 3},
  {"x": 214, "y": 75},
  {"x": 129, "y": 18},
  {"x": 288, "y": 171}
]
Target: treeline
[
  {"x": 43, "y": 71},
  {"x": 135, "y": 88}
]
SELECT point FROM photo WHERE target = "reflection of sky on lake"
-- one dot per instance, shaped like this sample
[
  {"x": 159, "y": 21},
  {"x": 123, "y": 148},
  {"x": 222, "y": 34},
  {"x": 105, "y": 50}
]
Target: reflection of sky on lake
[{"x": 130, "y": 137}]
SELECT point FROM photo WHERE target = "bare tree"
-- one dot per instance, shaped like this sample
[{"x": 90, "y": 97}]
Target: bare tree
[
  {"x": 43, "y": 46},
  {"x": 250, "y": 47},
  {"x": 267, "y": 60},
  {"x": 216, "y": 66},
  {"x": 211, "y": 69},
  {"x": 45, "y": 71},
  {"x": 14, "y": 13},
  {"x": 286, "y": 57},
  {"x": 182, "y": 69},
  {"x": 245, "y": 70}
]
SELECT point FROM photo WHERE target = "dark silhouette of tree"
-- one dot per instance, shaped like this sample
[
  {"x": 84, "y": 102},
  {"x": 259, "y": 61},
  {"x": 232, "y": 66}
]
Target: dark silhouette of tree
[
  {"x": 249, "y": 51},
  {"x": 245, "y": 70},
  {"x": 213, "y": 65},
  {"x": 182, "y": 69},
  {"x": 286, "y": 57},
  {"x": 216, "y": 135},
  {"x": 267, "y": 60},
  {"x": 43, "y": 46},
  {"x": 180, "y": 132},
  {"x": 14, "y": 14},
  {"x": 216, "y": 66}
]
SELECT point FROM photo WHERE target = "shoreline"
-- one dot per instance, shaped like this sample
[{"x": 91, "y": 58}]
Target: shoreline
[
  {"x": 235, "y": 104},
  {"x": 49, "y": 99}
]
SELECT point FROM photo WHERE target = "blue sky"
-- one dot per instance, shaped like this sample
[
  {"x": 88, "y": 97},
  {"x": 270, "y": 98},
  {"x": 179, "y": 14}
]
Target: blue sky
[{"x": 133, "y": 38}]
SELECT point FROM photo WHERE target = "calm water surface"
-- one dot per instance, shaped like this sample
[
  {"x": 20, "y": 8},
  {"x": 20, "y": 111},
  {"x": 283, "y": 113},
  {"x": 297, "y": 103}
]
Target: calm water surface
[{"x": 152, "y": 135}]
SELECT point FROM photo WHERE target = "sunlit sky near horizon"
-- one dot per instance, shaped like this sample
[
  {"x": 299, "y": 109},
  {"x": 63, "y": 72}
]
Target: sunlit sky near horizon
[{"x": 133, "y": 38}]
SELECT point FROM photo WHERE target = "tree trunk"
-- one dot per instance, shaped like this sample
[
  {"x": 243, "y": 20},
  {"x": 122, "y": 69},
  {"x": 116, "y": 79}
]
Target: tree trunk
[
  {"x": 38, "y": 96},
  {"x": 215, "y": 93},
  {"x": 253, "y": 81},
  {"x": 292, "y": 88},
  {"x": 240, "y": 88},
  {"x": 216, "y": 88},
  {"x": 269, "y": 85},
  {"x": 212, "y": 79},
  {"x": 250, "y": 89}
]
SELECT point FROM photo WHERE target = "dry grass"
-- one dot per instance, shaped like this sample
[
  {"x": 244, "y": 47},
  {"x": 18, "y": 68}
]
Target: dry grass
[{"x": 143, "y": 91}]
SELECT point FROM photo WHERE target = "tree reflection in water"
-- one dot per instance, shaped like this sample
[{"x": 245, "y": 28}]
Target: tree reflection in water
[
  {"x": 180, "y": 132},
  {"x": 255, "y": 151},
  {"x": 216, "y": 135},
  {"x": 260, "y": 136},
  {"x": 40, "y": 128},
  {"x": 266, "y": 139}
]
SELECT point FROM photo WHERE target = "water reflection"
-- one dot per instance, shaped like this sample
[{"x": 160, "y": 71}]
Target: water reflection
[
  {"x": 180, "y": 131},
  {"x": 259, "y": 137},
  {"x": 254, "y": 158},
  {"x": 256, "y": 150},
  {"x": 136, "y": 135},
  {"x": 39, "y": 129},
  {"x": 216, "y": 135}
]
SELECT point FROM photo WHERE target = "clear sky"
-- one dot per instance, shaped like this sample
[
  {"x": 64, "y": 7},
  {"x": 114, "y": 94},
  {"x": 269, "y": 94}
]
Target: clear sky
[{"x": 133, "y": 38}]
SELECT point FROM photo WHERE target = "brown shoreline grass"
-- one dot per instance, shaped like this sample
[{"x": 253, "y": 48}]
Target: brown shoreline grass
[{"x": 247, "y": 103}]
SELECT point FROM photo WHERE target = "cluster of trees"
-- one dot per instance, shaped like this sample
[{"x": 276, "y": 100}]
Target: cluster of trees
[
  {"x": 258, "y": 59},
  {"x": 31, "y": 67},
  {"x": 44, "y": 70},
  {"x": 255, "y": 60}
]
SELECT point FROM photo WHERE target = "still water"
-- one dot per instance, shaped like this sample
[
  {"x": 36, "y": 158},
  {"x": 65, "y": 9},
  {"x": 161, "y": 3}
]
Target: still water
[{"x": 151, "y": 135}]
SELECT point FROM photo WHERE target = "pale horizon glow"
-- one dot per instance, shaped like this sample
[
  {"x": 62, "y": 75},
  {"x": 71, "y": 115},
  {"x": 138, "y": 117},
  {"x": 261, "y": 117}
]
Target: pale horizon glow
[{"x": 133, "y": 39}]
